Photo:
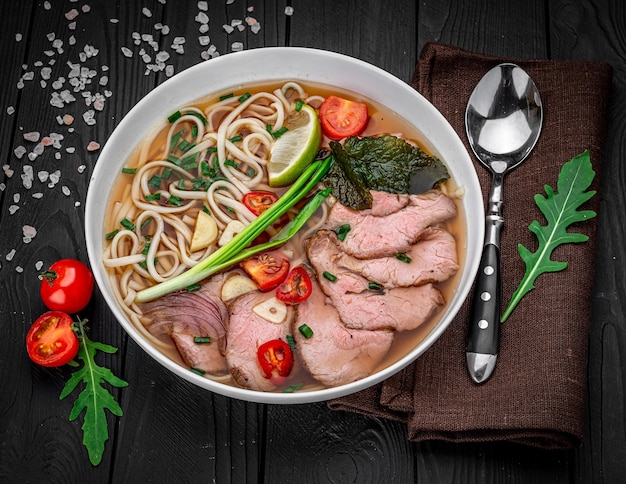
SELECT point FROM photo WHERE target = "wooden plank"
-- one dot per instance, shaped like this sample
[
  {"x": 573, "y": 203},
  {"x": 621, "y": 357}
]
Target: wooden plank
[{"x": 584, "y": 30}]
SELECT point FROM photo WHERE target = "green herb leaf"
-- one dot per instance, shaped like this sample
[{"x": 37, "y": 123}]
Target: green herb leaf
[
  {"x": 384, "y": 163},
  {"x": 560, "y": 210},
  {"x": 94, "y": 399}
]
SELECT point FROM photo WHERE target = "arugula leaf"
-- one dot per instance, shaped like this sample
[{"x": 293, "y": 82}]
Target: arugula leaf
[
  {"x": 94, "y": 398},
  {"x": 560, "y": 210}
]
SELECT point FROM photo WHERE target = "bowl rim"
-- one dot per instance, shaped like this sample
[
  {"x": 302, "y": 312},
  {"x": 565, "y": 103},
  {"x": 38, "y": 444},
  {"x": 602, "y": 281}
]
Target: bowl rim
[{"x": 258, "y": 57}]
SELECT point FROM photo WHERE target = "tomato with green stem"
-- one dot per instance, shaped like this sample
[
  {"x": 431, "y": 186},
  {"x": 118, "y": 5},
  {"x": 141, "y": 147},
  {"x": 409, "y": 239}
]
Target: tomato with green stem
[
  {"x": 51, "y": 340},
  {"x": 341, "y": 118},
  {"x": 66, "y": 286}
]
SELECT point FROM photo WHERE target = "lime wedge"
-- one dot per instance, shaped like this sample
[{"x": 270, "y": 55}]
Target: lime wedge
[{"x": 296, "y": 148}]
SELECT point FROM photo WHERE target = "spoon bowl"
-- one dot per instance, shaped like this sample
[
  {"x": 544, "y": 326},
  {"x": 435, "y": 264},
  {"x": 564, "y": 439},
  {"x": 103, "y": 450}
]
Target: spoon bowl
[{"x": 503, "y": 122}]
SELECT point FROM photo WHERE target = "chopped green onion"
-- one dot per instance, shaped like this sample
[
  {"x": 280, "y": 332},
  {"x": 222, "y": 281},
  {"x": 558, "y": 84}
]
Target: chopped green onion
[
  {"x": 112, "y": 234},
  {"x": 153, "y": 197},
  {"x": 199, "y": 116},
  {"x": 342, "y": 231},
  {"x": 269, "y": 128},
  {"x": 185, "y": 145},
  {"x": 278, "y": 133},
  {"x": 226, "y": 96},
  {"x": 291, "y": 342},
  {"x": 146, "y": 222},
  {"x": 197, "y": 371},
  {"x": 403, "y": 257},
  {"x": 193, "y": 287},
  {"x": 305, "y": 330},
  {"x": 173, "y": 159},
  {"x": 155, "y": 181},
  {"x": 251, "y": 172},
  {"x": 201, "y": 340},
  {"x": 129, "y": 171},
  {"x": 231, "y": 163},
  {"x": 213, "y": 149},
  {"x": 244, "y": 97},
  {"x": 206, "y": 210},
  {"x": 146, "y": 249},
  {"x": 181, "y": 184},
  {"x": 191, "y": 165},
  {"x": 299, "y": 104},
  {"x": 174, "y": 201},
  {"x": 174, "y": 139},
  {"x": 329, "y": 276},
  {"x": 374, "y": 286},
  {"x": 194, "y": 131},
  {"x": 127, "y": 224},
  {"x": 293, "y": 388},
  {"x": 174, "y": 116},
  {"x": 234, "y": 139}
]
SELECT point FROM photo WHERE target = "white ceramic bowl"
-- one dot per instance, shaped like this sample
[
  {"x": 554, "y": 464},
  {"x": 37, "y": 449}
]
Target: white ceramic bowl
[{"x": 276, "y": 64}]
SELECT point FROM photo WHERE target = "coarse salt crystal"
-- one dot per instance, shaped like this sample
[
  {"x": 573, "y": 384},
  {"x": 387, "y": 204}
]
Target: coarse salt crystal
[
  {"x": 93, "y": 146},
  {"x": 72, "y": 14},
  {"x": 85, "y": 8},
  {"x": 19, "y": 269},
  {"x": 228, "y": 29},
  {"x": 165, "y": 30},
  {"x": 237, "y": 46},
  {"x": 43, "y": 176},
  {"x": 146, "y": 11},
  {"x": 203, "y": 29},
  {"x": 18, "y": 37},
  {"x": 38, "y": 265},
  {"x": 13, "y": 209},
  {"x": 204, "y": 6},
  {"x": 202, "y": 18},
  {"x": 10, "y": 255},
  {"x": 32, "y": 136},
  {"x": 255, "y": 28},
  {"x": 81, "y": 168},
  {"x": 19, "y": 152},
  {"x": 66, "y": 191},
  {"x": 289, "y": 11},
  {"x": 204, "y": 40},
  {"x": 29, "y": 231},
  {"x": 46, "y": 5},
  {"x": 10, "y": 110},
  {"x": 127, "y": 52},
  {"x": 37, "y": 195}
]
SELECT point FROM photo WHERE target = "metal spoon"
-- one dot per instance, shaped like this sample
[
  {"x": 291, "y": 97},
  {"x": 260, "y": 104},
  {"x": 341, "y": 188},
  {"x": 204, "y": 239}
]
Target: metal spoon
[{"x": 503, "y": 121}]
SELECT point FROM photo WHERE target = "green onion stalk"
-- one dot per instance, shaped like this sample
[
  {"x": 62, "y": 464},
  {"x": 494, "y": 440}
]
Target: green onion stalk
[{"x": 235, "y": 251}]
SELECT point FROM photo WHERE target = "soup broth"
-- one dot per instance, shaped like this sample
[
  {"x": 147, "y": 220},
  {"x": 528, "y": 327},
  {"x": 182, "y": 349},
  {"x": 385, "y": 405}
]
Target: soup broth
[{"x": 131, "y": 275}]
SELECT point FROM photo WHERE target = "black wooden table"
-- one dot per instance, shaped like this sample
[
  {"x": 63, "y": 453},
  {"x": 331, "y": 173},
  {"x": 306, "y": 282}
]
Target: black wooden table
[{"x": 171, "y": 431}]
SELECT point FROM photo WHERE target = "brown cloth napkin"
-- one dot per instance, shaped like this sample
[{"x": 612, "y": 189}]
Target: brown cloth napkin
[{"x": 537, "y": 393}]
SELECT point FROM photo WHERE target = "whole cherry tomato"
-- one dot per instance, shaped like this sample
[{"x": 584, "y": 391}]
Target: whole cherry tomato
[
  {"x": 341, "y": 118},
  {"x": 276, "y": 358},
  {"x": 67, "y": 286},
  {"x": 51, "y": 340},
  {"x": 295, "y": 288},
  {"x": 259, "y": 201}
]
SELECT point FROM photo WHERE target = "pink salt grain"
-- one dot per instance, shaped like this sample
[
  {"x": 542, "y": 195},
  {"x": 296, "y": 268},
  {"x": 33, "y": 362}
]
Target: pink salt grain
[{"x": 93, "y": 146}]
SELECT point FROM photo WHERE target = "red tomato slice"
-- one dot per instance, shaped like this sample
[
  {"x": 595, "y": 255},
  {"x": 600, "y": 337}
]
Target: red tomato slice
[
  {"x": 295, "y": 288},
  {"x": 259, "y": 201},
  {"x": 341, "y": 118},
  {"x": 67, "y": 286},
  {"x": 51, "y": 340},
  {"x": 276, "y": 358},
  {"x": 267, "y": 270}
]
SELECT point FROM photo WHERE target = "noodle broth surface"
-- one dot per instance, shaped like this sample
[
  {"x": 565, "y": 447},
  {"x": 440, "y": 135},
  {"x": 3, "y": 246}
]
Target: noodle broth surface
[{"x": 127, "y": 282}]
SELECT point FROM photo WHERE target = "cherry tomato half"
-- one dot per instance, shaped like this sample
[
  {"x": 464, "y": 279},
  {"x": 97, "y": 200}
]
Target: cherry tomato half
[
  {"x": 295, "y": 288},
  {"x": 51, "y": 340},
  {"x": 267, "y": 270},
  {"x": 259, "y": 201},
  {"x": 341, "y": 118},
  {"x": 67, "y": 286},
  {"x": 276, "y": 358}
]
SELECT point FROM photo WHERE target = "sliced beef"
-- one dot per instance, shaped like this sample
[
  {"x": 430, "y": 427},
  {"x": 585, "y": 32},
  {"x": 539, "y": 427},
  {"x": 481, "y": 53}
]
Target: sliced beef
[
  {"x": 384, "y": 231},
  {"x": 185, "y": 315},
  {"x": 246, "y": 332},
  {"x": 335, "y": 355},
  {"x": 400, "y": 308},
  {"x": 433, "y": 258}
]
